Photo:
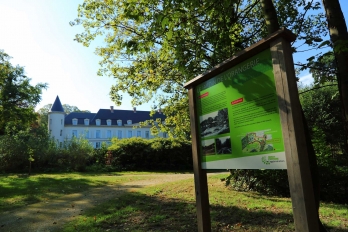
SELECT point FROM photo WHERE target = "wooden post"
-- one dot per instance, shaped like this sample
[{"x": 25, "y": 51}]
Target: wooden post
[
  {"x": 300, "y": 181},
  {"x": 200, "y": 175},
  {"x": 299, "y": 175}
]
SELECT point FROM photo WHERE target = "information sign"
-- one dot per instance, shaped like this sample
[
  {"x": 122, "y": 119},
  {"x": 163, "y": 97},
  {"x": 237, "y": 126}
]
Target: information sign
[{"x": 238, "y": 116}]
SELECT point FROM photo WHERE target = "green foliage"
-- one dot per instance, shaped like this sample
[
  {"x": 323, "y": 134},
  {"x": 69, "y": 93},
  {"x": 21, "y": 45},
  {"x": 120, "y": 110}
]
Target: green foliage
[
  {"x": 155, "y": 154},
  {"x": 20, "y": 146},
  {"x": 153, "y": 47},
  {"x": 322, "y": 109},
  {"x": 17, "y": 97},
  {"x": 32, "y": 147},
  {"x": 75, "y": 154},
  {"x": 323, "y": 67}
]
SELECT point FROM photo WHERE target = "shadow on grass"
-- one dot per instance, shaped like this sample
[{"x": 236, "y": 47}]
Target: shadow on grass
[
  {"x": 135, "y": 211},
  {"x": 19, "y": 190},
  {"x": 138, "y": 212}
]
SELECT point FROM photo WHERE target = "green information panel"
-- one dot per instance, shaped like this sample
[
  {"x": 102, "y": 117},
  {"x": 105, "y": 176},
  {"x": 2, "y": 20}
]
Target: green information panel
[{"x": 239, "y": 123}]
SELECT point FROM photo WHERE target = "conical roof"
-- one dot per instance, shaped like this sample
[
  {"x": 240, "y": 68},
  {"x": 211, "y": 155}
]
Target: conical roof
[{"x": 57, "y": 106}]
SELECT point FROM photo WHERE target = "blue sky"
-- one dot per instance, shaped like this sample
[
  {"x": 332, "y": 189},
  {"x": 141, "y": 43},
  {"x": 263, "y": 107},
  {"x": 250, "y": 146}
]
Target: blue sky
[{"x": 37, "y": 34}]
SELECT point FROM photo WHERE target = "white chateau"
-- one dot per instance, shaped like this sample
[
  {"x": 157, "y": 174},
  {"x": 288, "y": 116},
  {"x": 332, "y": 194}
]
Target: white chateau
[{"x": 101, "y": 126}]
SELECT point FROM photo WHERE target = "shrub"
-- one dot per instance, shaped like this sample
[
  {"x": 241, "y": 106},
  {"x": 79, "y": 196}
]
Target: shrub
[{"x": 154, "y": 154}]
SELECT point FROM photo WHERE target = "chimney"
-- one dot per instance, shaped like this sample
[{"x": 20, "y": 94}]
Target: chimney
[
  {"x": 112, "y": 109},
  {"x": 160, "y": 111},
  {"x": 135, "y": 109}
]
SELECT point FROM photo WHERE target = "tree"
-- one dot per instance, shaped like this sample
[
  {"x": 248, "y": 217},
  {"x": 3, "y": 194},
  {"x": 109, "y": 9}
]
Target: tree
[
  {"x": 339, "y": 38},
  {"x": 21, "y": 145},
  {"x": 153, "y": 47},
  {"x": 17, "y": 97},
  {"x": 322, "y": 109},
  {"x": 159, "y": 54}
]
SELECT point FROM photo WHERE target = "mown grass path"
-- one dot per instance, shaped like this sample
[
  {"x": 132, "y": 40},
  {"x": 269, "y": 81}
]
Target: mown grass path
[{"x": 52, "y": 214}]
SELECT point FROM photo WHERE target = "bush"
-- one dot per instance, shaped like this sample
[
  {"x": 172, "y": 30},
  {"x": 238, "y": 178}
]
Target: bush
[
  {"x": 155, "y": 154},
  {"x": 17, "y": 147},
  {"x": 269, "y": 182}
]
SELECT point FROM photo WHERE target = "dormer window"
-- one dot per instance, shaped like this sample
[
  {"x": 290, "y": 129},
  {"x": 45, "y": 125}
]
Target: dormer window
[
  {"x": 86, "y": 121},
  {"x": 97, "y": 122},
  {"x": 119, "y": 122},
  {"x": 74, "y": 121},
  {"x": 108, "y": 122},
  {"x": 129, "y": 122}
]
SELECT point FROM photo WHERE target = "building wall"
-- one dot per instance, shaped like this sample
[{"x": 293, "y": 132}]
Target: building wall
[
  {"x": 56, "y": 125},
  {"x": 98, "y": 134}
]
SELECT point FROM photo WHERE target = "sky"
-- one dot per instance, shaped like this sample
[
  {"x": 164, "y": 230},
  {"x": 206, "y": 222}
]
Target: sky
[{"x": 37, "y": 34}]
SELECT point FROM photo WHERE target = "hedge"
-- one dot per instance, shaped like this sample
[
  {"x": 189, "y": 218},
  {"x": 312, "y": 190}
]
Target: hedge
[{"x": 139, "y": 154}]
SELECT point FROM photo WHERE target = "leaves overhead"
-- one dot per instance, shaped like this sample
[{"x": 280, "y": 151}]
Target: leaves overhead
[{"x": 153, "y": 47}]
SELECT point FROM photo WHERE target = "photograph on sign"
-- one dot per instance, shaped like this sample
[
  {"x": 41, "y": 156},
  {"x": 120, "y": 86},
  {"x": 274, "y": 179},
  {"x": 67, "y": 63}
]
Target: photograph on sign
[
  {"x": 239, "y": 122},
  {"x": 215, "y": 123}
]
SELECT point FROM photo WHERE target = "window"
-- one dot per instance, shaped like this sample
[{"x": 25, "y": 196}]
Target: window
[
  {"x": 119, "y": 122},
  {"x": 86, "y": 122},
  {"x": 61, "y": 122},
  {"x": 97, "y": 134},
  {"x": 119, "y": 134},
  {"x": 50, "y": 121},
  {"x": 74, "y": 133},
  {"x": 74, "y": 121},
  {"x": 108, "y": 134},
  {"x": 147, "y": 134},
  {"x": 61, "y": 132},
  {"x": 138, "y": 133},
  {"x": 87, "y": 134},
  {"x": 50, "y": 131},
  {"x": 97, "y": 145},
  {"x": 129, "y": 122},
  {"x": 130, "y": 134},
  {"x": 108, "y": 122},
  {"x": 164, "y": 135},
  {"x": 97, "y": 122}
]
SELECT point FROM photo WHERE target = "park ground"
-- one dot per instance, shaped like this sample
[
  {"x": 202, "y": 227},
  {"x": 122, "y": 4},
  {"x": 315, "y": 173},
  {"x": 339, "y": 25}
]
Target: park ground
[{"x": 141, "y": 201}]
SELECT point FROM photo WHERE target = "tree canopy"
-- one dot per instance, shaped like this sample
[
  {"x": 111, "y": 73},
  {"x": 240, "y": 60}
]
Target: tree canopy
[
  {"x": 153, "y": 47},
  {"x": 18, "y": 97}
]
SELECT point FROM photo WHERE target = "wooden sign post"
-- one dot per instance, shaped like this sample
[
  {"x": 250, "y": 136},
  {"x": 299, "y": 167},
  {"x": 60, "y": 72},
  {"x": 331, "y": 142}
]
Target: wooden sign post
[{"x": 245, "y": 114}]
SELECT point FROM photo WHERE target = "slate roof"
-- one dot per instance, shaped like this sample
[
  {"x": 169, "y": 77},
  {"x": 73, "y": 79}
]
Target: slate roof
[
  {"x": 57, "y": 106},
  {"x": 80, "y": 118},
  {"x": 105, "y": 114}
]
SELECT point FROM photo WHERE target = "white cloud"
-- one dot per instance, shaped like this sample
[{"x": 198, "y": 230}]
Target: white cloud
[{"x": 306, "y": 80}]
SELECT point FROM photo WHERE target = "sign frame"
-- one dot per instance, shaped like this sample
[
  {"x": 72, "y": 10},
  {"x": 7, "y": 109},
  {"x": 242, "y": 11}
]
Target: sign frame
[{"x": 299, "y": 175}]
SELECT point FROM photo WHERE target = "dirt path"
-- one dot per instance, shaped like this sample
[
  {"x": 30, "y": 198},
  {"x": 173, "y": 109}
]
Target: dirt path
[{"x": 51, "y": 215}]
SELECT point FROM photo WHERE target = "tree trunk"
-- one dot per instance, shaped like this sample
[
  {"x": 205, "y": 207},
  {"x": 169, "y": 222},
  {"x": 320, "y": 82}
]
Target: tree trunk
[
  {"x": 339, "y": 37},
  {"x": 271, "y": 19},
  {"x": 270, "y": 15}
]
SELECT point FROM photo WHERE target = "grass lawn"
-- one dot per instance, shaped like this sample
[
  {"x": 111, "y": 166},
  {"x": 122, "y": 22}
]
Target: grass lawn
[
  {"x": 17, "y": 190},
  {"x": 165, "y": 207},
  {"x": 171, "y": 207}
]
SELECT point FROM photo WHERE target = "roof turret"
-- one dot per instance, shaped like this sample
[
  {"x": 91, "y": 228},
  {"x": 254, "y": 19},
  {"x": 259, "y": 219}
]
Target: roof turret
[{"x": 57, "y": 106}]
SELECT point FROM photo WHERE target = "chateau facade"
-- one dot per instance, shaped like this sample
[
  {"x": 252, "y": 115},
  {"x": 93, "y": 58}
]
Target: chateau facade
[{"x": 101, "y": 126}]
